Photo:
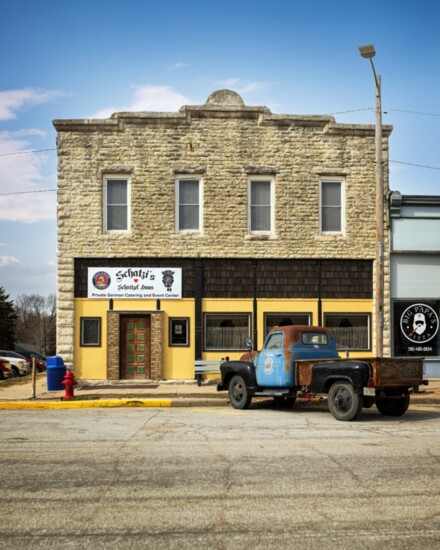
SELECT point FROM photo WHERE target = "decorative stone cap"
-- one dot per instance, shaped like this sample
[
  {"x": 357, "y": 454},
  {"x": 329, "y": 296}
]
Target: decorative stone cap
[{"x": 225, "y": 97}]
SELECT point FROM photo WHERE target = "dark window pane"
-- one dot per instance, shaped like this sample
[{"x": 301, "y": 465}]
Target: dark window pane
[
  {"x": 179, "y": 332},
  {"x": 352, "y": 332},
  {"x": 331, "y": 202},
  {"x": 226, "y": 332},
  {"x": 117, "y": 192},
  {"x": 117, "y": 218},
  {"x": 261, "y": 206},
  {"x": 91, "y": 332},
  {"x": 284, "y": 319},
  {"x": 189, "y": 207}
]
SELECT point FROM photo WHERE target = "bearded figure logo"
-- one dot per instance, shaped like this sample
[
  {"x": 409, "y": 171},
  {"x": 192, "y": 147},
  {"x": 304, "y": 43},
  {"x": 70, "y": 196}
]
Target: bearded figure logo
[
  {"x": 168, "y": 279},
  {"x": 419, "y": 325}
]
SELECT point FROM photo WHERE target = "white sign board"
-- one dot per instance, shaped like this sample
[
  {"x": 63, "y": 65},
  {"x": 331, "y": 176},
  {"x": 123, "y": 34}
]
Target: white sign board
[{"x": 159, "y": 283}]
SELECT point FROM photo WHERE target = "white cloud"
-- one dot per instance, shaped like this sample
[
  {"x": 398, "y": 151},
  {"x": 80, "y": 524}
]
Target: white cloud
[
  {"x": 177, "y": 66},
  {"x": 12, "y": 101},
  {"x": 8, "y": 260},
  {"x": 148, "y": 97},
  {"x": 51, "y": 263},
  {"x": 240, "y": 86},
  {"x": 19, "y": 174}
]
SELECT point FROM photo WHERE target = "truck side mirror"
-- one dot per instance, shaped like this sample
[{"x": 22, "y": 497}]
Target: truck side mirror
[{"x": 249, "y": 344}]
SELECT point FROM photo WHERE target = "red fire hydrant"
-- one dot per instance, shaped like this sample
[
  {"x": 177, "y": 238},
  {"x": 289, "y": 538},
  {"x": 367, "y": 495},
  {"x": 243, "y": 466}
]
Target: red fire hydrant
[{"x": 69, "y": 383}]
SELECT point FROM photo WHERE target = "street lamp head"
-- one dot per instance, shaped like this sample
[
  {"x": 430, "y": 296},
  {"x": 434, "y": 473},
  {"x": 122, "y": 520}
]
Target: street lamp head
[{"x": 367, "y": 51}]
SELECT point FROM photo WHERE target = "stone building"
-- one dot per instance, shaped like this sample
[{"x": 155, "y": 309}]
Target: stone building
[{"x": 180, "y": 234}]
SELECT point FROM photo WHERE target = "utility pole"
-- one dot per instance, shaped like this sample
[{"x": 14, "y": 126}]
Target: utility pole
[{"x": 369, "y": 52}]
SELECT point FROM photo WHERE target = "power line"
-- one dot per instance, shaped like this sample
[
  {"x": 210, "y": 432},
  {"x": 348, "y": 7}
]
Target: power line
[
  {"x": 352, "y": 111},
  {"x": 416, "y": 165},
  {"x": 27, "y": 192},
  {"x": 26, "y": 152},
  {"x": 411, "y": 112}
]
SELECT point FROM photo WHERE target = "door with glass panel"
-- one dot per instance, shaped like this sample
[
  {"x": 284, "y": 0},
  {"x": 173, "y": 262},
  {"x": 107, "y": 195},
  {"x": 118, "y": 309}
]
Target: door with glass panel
[{"x": 135, "y": 347}]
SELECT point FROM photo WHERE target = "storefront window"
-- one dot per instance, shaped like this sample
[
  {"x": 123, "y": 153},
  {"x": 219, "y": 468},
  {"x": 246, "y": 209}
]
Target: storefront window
[
  {"x": 226, "y": 331},
  {"x": 351, "y": 330},
  {"x": 416, "y": 325},
  {"x": 90, "y": 331},
  {"x": 179, "y": 331},
  {"x": 272, "y": 320}
]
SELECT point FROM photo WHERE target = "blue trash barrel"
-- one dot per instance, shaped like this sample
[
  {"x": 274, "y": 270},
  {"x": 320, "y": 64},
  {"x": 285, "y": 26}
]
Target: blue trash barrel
[{"x": 55, "y": 372}]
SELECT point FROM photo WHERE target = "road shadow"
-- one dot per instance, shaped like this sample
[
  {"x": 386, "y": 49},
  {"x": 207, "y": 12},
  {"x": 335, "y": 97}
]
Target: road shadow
[{"x": 422, "y": 413}]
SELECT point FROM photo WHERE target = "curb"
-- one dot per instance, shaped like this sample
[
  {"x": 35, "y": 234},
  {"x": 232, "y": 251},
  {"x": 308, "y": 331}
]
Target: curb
[{"x": 101, "y": 403}]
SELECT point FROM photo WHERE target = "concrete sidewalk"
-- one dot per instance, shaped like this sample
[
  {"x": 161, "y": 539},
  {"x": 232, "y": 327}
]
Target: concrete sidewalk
[{"x": 107, "y": 393}]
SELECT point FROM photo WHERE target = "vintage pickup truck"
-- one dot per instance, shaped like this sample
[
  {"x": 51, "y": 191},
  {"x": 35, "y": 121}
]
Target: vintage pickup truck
[{"x": 303, "y": 361}]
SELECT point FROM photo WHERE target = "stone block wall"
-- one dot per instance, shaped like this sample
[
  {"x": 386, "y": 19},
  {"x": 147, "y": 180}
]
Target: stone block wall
[{"x": 224, "y": 143}]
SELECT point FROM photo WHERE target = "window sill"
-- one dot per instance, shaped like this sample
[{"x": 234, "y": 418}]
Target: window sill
[
  {"x": 260, "y": 237},
  {"x": 192, "y": 234}
]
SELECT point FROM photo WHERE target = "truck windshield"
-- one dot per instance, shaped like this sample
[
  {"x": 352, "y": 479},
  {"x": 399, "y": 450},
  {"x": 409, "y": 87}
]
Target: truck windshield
[{"x": 314, "y": 338}]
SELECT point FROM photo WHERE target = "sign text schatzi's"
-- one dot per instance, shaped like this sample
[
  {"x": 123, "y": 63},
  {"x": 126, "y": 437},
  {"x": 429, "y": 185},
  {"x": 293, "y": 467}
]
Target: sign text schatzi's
[{"x": 160, "y": 283}]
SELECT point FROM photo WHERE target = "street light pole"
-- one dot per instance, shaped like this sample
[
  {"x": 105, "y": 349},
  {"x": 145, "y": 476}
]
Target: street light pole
[{"x": 369, "y": 52}]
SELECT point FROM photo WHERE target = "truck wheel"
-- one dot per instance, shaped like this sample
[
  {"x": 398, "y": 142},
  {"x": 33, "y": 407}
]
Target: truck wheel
[
  {"x": 15, "y": 373},
  {"x": 284, "y": 402},
  {"x": 344, "y": 403},
  {"x": 392, "y": 406},
  {"x": 238, "y": 393}
]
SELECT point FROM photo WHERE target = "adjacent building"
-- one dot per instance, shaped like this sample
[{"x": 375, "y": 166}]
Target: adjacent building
[
  {"x": 181, "y": 234},
  {"x": 415, "y": 278}
]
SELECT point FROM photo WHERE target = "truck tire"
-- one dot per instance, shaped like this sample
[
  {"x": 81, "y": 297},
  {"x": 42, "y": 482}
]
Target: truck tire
[
  {"x": 238, "y": 393},
  {"x": 392, "y": 406},
  {"x": 344, "y": 403}
]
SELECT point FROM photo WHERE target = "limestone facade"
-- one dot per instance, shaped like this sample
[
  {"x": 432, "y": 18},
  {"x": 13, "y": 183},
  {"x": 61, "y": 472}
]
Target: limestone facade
[{"x": 224, "y": 143}]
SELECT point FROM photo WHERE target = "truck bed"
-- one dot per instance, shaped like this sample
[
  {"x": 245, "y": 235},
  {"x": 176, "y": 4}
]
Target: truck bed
[{"x": 386, "y": 371}]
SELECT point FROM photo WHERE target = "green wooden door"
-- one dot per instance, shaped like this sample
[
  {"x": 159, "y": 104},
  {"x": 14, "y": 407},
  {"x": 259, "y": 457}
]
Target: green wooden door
[{"x": 135, "y": 347}]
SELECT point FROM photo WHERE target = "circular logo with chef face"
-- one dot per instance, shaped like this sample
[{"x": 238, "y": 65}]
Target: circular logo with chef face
[
  {"x": 101, "y": 280},
  {"x": 268, "y": 365},
  {"x": 419, "y": 323}
]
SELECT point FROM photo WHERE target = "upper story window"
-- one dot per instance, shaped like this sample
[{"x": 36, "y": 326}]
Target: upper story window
[
  {"x": 189, "y": 204},
  {"x": 261, "y": 205},
  {"x": 332, "y": 206},
  {"x": 116, "y": 204}
]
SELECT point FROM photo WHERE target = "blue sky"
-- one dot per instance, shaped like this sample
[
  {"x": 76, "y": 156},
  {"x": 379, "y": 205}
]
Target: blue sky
[{"x": 65, "y": 59}]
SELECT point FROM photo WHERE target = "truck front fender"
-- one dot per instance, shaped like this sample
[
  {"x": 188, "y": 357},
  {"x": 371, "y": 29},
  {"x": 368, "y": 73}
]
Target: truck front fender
[
  {"x": 245, "y": 369},
  {"x": 358, "y": 373}
]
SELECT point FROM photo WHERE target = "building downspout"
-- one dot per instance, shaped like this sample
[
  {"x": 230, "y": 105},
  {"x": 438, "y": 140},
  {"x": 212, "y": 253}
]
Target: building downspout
[
  {"x": 255, "y": 305},
  {"x": 319, "y": 271},
  {"x": 198, "y": 293}
]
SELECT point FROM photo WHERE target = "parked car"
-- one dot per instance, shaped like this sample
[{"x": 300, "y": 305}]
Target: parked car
[
  {"x": 40, "y": 360},
  {"x": 18, "y": 363},
  {"x": 5, "y": 370}
]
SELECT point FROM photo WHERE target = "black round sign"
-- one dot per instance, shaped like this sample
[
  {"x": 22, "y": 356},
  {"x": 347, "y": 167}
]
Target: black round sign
[{"x": 419, "y": 323}]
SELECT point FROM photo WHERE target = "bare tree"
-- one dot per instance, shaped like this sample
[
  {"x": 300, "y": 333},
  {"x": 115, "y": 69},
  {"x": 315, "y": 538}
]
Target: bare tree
[{"x": 36, "y": 321}]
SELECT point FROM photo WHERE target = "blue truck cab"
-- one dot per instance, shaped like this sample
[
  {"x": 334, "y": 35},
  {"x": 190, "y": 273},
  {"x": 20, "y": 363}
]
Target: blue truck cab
[{"x": 275, "y": 363}]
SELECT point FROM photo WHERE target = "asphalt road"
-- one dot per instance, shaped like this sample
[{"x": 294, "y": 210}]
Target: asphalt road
[{"x": 219, "y": 478}]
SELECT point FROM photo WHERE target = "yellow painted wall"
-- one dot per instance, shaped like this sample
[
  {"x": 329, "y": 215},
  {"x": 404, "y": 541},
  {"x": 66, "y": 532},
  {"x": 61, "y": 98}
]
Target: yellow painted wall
[
  {"x": 179, "y": 361},
  {"x": 90, "y": 362}
]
